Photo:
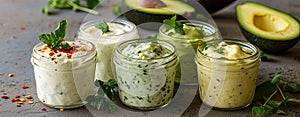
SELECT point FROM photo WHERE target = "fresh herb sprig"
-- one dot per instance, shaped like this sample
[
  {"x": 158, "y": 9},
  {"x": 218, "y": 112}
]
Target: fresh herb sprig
[
  {"x": 173, "y": 24},
  {"x": 271, "y": 87},
  {"x": 117, "y": 9},
  {"x": 55, "y": 39},
  {"x": 103, "y": 26},
  {"x": 73, "y": 4},
  {"x": 263, "y": 56},
  {"x": 100, "y": 101}
]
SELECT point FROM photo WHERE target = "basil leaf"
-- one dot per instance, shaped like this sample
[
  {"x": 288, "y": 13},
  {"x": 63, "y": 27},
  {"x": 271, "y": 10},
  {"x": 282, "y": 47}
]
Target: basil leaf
[
  {"x": 276, "y": 78},
  {"x": 61, "y": 29}
]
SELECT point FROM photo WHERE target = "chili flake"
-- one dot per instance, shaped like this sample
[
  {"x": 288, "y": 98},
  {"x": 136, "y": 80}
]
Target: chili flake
[
  {"x": 28, "y": 96},
  {"x": 44, "y": 109},
  {"x": 19, "y": 105},
  {"x": 22, "y": 28},
  {"x": 13, "y": 100},
  {"x": 25, "y": 87},
  {"x": 5, "y": 97},
  {"x": 30, "y": 102}
]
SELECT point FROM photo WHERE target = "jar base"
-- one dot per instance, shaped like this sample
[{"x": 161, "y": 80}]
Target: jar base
[
  {"x": 146, "y": 108},
  {"x": 64, "y": 106},
  {"x": 227, "y": 109}
]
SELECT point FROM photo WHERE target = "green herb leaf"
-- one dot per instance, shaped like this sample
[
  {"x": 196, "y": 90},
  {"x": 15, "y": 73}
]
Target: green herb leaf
[
  {"x": 280, "y": 112},
  {"x": 258, "y": 110},
  {"x": 263, "y": 56},
  {"x": 264, "y": 89},
  {"x": 152, "y": 36},
  {"x": 293, "y": 100},
  {"x": 107, "y": 88},
  {"x": 276, "y": 78},
  {"x": 103, "y": 26},
  {"x": 292, "y": 86},
  {"x": 117, "y": 9},
  {"x": 274, "y": 104},
  {"x": 176, "y": 25},
  {"x": 54, "y": 39}
]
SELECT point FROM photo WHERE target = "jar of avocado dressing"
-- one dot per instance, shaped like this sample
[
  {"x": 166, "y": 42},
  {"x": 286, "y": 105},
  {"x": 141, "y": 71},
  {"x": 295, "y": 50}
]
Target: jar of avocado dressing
[{"x": 227, "y": 73}]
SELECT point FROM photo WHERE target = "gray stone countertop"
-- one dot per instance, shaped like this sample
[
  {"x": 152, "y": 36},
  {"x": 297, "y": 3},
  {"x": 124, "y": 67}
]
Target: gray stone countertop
[{"x": 21, "y": 21}]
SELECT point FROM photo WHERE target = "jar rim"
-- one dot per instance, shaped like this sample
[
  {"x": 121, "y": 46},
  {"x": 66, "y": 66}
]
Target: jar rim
[
  {"x": 119, "y": 50},
  {"x": 193, "y": 23},
  {"x": 119, "y": 21},
  {"x": 247, "y": 44}
]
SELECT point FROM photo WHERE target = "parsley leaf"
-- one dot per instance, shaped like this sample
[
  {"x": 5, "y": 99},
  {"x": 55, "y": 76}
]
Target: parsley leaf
[
  {"x": 173, "y": 24},
  {"x": 103, "y": 26},
  {"x": 55, "y": 39}
]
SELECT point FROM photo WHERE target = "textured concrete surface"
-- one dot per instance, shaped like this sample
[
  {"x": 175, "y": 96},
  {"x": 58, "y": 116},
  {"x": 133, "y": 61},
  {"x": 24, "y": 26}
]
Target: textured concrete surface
[{"x": 21, "y": 21}]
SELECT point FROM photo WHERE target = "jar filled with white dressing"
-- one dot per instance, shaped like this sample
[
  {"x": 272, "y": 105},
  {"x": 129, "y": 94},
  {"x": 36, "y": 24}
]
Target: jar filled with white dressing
[
  {"x": 145, "y": 72},
  {"x": 118, "y": 31},
  {"x": 64, "y": 78},
  {"x": 227, "y": 73}
]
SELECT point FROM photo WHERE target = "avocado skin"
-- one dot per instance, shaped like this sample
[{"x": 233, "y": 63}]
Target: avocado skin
[
  {"x": 213, "y": 6},
  {"x": 267, "y": 45},
  {"x": 138, "y": 17}
]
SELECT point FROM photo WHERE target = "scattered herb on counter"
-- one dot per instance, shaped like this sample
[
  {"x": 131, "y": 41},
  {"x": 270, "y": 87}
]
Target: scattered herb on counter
[
  {"x": 263, "y": 56},
  {"x": 172, "y": 23},
  {"x": 100, "y": 101},
  {"x": 73, "y": 4},
  {"x": 55, "y": 39},
  {"x": 103, "y": 26},
  {"x": 117, "y": 9},
  {"x": 271, "y": 87}
]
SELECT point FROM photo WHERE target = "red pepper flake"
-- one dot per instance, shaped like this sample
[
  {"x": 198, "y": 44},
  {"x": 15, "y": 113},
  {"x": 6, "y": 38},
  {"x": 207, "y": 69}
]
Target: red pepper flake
[
  {"x": 22, "y": 28},
  {"x": 25, "y": 87},
  {"x": 28, "y": 96},
  {"x": 5, "y": 97},
  {"x": 51, "y": 53},
  {"x": 44, "y": 109},
  {"x": 59, "y": 55},
  {"x": 13, "y": 100},
  {"x": 69, "y": 56},
  {"x": 43, "y": 101},
  {"x": 0, "y": 104},
  {"x": 53, "y": 59}
]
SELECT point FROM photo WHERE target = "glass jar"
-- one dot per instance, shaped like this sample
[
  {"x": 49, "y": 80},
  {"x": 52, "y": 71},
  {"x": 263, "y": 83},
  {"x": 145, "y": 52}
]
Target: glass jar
[
  {"x": 64, "y": 80},
  {"x": 227, "y": 83},
  {"x": 145, "y": 84},
  {"x": 186, "y": 47},
  {"x": 120, "y": 30}
]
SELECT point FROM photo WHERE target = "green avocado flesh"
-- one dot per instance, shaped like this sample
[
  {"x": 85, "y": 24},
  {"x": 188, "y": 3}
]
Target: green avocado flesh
[
  {"x": 267, "y": 22},
  {"x": 172, "y": 7}
]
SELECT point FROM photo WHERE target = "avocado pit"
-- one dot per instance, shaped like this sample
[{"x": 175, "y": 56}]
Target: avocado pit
[{"x": 270, "y": 23}]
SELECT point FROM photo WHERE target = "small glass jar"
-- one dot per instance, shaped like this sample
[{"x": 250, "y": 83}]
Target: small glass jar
[
  {"x": 186, "y": 47},
  {"x": 105, "y": 43},
  {"x": 64, "y": 80},
  {"x": 227, "y": 83},
  {"x": 145, "y": 84}
]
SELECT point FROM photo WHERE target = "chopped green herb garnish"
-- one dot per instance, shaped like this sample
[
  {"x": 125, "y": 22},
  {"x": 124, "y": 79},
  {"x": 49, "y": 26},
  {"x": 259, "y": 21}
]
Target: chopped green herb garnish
[
  {"x": 220, "y": 50},
  {"x": 103, "y": 26},
  {"x": 55, "y": 39},
  {"x": 173, "y": 24},
  {"x": 267, "y": 90}
]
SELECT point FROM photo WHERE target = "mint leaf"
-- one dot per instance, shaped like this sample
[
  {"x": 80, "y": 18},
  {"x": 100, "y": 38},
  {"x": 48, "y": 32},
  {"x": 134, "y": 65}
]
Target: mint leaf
[
  {"x": 54, "y": 39},
  {"x": 258, "y": 110},
  {"x": 176, "y": 25},
  {"x": 107, "y": 88},
  {"x": 276, "y": 78},
  {"x": 103, "y": 26},
  {"x": 292, "y": 86},
  {"x": 293, "y": 100},
  {"x": 264, "y": 89},
  {"x": 274, "y": 104}
]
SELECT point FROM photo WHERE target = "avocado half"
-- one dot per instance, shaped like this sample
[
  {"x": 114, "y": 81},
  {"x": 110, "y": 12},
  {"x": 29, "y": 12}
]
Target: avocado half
[
  {"x": 273, "y": 31},
  {"x": 140, "y": 15}
]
